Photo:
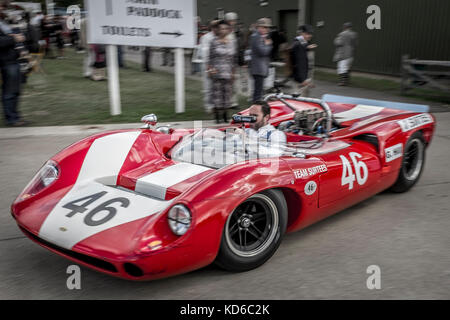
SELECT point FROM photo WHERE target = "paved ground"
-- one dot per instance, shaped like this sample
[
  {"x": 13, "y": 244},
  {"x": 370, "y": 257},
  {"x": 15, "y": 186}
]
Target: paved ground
[{"x": 406, "y": 235}]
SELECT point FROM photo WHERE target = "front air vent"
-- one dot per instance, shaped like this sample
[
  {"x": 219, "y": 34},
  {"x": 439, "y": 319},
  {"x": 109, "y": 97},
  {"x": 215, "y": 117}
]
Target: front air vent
[
  {"x": 133, "y": 270},
  {"x": 95, "y": 262}
]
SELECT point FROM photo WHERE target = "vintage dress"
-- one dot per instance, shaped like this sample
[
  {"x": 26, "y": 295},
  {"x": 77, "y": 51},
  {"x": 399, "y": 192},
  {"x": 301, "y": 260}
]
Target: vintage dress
[{"x": 222, "y": 58}]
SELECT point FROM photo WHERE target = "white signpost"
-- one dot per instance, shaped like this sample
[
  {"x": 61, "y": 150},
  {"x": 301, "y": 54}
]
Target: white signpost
[
  {"x": 50, "y": 7},
  {"x": 150, "y": 23}
]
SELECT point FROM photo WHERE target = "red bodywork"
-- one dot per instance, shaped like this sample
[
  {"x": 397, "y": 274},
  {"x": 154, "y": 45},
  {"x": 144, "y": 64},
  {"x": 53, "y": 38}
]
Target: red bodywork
[{"x": 212, "y": 195}]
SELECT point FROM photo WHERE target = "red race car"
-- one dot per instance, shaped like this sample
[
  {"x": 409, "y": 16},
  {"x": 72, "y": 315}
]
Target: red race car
[{"x": 152, "y": 203}]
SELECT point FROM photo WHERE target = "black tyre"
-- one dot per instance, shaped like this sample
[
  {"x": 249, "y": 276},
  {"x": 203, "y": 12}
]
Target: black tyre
[
  {"x": 412, "y": 165},
  {"x": 253, "y": 231}
]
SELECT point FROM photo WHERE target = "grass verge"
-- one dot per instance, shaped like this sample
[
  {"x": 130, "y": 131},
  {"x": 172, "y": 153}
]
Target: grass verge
[{"x": 62, "y": 96}]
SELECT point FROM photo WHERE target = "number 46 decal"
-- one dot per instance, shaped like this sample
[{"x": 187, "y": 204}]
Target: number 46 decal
[
  {"x": 362, "y": 173},
  {"x": 80, "y": 206}
]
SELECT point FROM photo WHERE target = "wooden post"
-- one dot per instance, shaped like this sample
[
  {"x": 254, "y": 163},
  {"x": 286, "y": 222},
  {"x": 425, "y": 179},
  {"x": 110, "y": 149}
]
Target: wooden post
[
  {"x": 404, "y": 74},
  {"x": 113, "y": 80},
  {"x": 180, "y": 104}
]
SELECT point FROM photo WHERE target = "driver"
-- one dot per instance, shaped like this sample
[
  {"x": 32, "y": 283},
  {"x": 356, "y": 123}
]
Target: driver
[{"x": 262, "y": 129}]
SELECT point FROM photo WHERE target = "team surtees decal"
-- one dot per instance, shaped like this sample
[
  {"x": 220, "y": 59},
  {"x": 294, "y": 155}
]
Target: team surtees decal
[
  {"x": 415, "y": 121},
  {"x": 309, "y": 172},
  {"x": 394, "y": 152},
  {"x": 361, "y": 171}
]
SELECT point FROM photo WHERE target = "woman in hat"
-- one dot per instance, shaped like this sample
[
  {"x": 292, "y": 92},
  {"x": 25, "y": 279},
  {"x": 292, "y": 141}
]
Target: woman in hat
[{"x": 221, "y": 71}]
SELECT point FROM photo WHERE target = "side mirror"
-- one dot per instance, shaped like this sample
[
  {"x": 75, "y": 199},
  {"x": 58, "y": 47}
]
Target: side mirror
[
  {"x": 150, "y": 120},
  {"x": 164, "y": 129}
]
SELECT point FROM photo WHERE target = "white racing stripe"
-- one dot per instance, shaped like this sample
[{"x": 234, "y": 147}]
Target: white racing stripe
[
  {"x": 157, "y": 183},
  {"x": 360, "y": 111},
  {"x": 94, "y": 204},
  {"x": 66, "y": 231},
  {"x": 100, "y": 167},
  {"x": 106, "y": 156}
]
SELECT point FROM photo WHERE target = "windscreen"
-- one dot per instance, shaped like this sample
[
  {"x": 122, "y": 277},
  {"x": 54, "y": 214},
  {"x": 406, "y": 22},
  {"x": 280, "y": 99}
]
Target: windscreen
[{"x": 216, "y": 149}]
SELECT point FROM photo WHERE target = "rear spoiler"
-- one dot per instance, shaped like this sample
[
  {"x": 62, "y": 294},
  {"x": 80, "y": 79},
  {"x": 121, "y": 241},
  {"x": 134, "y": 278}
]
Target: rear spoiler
[{"x": 376, "y": 103}]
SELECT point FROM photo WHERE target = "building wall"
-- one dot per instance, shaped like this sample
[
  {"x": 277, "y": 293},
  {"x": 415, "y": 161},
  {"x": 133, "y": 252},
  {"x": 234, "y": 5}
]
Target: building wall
[
  {"x": 416, "y": 27},
  {"x": 248, "y": 10}
]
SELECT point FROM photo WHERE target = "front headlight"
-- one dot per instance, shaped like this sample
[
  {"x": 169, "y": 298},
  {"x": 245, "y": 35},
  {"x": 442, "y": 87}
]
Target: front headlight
[
  {"x": 179, "y": 219},
  {"x": 48, "y": 174}
]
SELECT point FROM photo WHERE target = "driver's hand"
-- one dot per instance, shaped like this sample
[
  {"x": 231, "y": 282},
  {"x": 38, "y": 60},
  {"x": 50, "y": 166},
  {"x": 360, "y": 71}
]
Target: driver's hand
[{"x": 238, "y": 131}]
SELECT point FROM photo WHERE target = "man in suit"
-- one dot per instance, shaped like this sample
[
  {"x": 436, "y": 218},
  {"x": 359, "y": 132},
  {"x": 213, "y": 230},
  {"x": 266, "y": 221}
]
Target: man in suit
[
  {"x": 10, "y": 70},
  {"x": 345, "y": 43},
  {"x": 300, "y": 61},
  {"x": 261, "y": 48}
]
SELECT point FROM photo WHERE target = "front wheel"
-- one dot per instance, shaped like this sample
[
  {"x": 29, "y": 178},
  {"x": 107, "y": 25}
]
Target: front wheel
[
  {"x": 412, "y": 164},
  {"x": 253, "y": 231}
]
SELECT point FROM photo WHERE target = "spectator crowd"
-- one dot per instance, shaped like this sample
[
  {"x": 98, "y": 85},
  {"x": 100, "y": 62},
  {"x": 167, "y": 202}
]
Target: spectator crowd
[
  {"x": 227, "y": 56},
  {"x": 24, "y": 40}
]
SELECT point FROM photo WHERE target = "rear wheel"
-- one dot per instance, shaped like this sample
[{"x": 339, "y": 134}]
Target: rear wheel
[
  {"x": 253, "y": 231},
  {"x": 413, "y": 163}
]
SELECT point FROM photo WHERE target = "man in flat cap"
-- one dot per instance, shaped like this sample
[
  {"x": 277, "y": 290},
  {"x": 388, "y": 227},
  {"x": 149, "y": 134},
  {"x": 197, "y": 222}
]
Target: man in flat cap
[
  {"x": 261, "y": 48},
  {"x": 345, "y": 44}
]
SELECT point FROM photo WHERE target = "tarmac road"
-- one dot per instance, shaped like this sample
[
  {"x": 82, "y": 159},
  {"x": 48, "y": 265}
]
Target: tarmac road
[{"x": 406, "y": 235}]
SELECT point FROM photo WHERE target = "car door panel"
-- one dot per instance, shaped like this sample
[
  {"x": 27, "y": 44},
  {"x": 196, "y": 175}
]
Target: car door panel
[{"x": 352, "y": 175}]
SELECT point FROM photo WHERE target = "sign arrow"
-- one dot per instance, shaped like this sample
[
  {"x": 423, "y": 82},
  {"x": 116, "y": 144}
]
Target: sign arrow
[{"x": 176, "y": 33}]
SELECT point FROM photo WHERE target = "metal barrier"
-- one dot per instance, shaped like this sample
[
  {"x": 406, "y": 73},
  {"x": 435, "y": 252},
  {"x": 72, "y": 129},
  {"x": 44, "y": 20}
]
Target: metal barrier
[{"x": 417, "y": 73}]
